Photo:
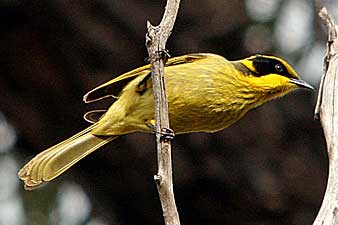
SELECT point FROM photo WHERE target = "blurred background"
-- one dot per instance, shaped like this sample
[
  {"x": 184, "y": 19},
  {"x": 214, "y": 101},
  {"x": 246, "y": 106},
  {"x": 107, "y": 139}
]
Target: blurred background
[{"x": 269, "y": 168}]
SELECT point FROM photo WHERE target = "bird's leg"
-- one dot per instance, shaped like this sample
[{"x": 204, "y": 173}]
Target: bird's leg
[
  {"x": 164, "y": 54},
  {"x": 151, "y": 124},
  {"x": 166, "y": 133}
]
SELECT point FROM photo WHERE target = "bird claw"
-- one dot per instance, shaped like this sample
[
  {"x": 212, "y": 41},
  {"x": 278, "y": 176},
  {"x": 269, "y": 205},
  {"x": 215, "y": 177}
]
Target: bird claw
[
  {"x": 164, "y": 54},
  {"x": 167, "y": 133}
]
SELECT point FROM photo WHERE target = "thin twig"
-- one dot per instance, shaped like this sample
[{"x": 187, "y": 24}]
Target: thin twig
[
  {"x": 156, "y": 39},
  {"x": 327, "y": 109}
]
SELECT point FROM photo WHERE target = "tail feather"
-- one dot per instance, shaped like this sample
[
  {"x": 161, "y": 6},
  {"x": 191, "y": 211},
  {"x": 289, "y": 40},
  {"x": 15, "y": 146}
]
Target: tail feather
[{"x": 52, "y": 162}]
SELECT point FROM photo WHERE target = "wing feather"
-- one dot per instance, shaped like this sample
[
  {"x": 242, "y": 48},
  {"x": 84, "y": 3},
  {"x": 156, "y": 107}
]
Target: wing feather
[{"x": 113, "y": 87}]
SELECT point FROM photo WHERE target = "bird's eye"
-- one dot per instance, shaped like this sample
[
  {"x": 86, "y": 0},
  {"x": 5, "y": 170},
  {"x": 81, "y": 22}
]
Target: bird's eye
[{"x": 279, "y": 68}]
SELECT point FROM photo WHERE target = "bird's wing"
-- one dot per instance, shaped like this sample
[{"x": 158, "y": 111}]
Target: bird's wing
[
  {"x": 94, "y": 115},
  {"x": 113, "y": 87}
]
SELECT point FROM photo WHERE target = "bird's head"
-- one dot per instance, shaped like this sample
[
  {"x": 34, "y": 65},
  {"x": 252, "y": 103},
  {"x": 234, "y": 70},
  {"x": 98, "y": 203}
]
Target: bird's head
[{"x": 272, "y": 74}]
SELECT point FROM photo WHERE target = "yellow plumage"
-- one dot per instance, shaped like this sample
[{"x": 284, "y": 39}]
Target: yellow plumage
[{"x": 206, "y": 93}]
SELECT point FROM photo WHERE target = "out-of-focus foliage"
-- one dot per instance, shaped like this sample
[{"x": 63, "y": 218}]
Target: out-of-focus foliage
[{"x": 269, "y": 168}]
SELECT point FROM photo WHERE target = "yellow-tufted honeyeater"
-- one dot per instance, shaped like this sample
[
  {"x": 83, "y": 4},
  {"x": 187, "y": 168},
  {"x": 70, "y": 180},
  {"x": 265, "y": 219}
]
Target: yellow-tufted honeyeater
[{"x": 206, "y": 93}]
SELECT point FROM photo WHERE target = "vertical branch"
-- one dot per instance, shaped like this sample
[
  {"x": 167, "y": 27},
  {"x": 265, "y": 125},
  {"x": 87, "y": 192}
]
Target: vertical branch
[
  {"x": 327, "y": 109},
  {"x": 156, "y": 39}
]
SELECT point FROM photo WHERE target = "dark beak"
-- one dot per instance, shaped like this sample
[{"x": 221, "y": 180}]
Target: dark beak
[{"x": 301, "y": 84}]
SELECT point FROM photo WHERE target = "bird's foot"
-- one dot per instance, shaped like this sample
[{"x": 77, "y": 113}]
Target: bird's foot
[
  {"x": 166, "y": 133},
  {"x": 164, "y": 54}
]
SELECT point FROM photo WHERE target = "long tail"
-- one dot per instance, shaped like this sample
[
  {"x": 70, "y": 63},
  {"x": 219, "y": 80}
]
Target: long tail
[{"x": 55, "y": 160}]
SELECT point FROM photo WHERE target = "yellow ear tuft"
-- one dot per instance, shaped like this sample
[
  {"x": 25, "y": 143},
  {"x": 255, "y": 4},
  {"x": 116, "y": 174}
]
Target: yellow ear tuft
[{"x": 248, "y": 63}]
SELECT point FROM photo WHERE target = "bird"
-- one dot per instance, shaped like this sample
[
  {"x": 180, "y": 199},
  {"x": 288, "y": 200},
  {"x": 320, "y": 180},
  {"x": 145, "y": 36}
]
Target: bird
[{"x": 206, "y": 93}]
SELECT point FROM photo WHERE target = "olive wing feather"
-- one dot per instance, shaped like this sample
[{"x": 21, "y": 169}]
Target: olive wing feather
[{"x": 113, "y": 87}]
